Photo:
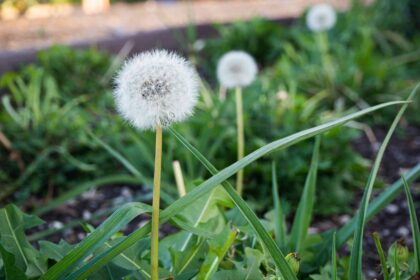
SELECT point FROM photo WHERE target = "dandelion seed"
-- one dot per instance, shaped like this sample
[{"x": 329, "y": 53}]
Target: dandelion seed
[
  {"x": 236, "y": 69},
  {"x": 156, "y": 88},
  {"x": 321, "y": 17}
]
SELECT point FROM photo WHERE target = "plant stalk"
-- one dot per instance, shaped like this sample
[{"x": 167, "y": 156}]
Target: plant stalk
[
  {"x": 156, "y": 201},
  {"x": 179, "y": 178},
  {"x": 241, "y": 138}
]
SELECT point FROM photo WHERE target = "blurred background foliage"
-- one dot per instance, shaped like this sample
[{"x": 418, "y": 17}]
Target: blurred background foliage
[{"x": 51, "y": 108}]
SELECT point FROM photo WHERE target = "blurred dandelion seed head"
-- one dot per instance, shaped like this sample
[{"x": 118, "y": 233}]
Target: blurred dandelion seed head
[
  {"x": 236, "y": 69},
  {"x": 321, "y": 17},
  {"x": 156, "y": 88}
]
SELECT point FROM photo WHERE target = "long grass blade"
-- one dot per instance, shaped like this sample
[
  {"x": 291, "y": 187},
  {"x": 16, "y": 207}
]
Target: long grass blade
[
  {"x": 378, "y": 204},
  {"x": 334, "y": 259},
  {"x": 280, "y": 223},
  {"x": 129, "y": 166},
  {"x": 304, "y": 212},
  {"x": 381, "y": 255},
  {"x": 249, "y": 215},
  {"x": 355, "y": 269},
  {"x": 414, "y": 224},
  {"x": 93, "y": 241},
  {"x": 213, "y": 182}
]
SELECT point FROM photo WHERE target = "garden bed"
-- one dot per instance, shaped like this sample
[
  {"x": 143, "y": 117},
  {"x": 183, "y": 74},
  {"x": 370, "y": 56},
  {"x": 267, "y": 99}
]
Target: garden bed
[
  {"x": 392, "y": 224},
  {"x": 308, "y": 119}
]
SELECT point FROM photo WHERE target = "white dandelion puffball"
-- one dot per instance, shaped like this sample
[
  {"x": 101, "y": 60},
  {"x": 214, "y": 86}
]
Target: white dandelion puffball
[
  {"x": 321, "y": 17},
  {"x": 156, "y": 88},
  {"x": 236, "y": 69}
]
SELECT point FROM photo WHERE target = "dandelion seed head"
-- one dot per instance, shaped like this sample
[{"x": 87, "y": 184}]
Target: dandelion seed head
[
  {"x": 236, "y": 69},
  {"x": 321, "y": 17},
  {"x": 156, "y": 88}
]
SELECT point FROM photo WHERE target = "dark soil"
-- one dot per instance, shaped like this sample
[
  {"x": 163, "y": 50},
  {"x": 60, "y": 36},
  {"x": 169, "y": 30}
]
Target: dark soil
[
  {"x": 93, "y": 207},
  {"x": 393, "y": 223}
]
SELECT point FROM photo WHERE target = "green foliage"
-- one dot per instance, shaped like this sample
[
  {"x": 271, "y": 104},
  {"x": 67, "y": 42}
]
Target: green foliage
[
  {"x": 62, "y": 125},
  {"x": 77, "y": 72},
  {"x": 25, "y": 258},
  {"x": 365, "y": 59},
  {"x": 259, "y": 37},
  {"x": 33, "y": 121},
  {"x": 80, "y": 101},
  {"x": 131, "y": 252}
]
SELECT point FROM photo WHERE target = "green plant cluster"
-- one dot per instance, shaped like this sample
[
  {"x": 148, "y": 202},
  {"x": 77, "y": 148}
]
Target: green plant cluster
[
  {"x": 59, "y": 132},
  {"x": 61, "y": 152},
  {"x": 370, "y": 56},
  {"x": 220, "y": 237}
]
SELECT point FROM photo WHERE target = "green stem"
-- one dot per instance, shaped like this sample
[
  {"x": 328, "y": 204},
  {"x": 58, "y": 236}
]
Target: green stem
[
  {"x": 381, "y": 255},
  {"x": 156, "y": 200},
  {"x": 327, "y": 63},
  {"x": 241, "y": 138}
]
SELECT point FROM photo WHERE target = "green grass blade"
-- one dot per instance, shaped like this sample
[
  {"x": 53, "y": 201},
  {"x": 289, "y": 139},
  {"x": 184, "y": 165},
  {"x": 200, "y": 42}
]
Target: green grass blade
[
  {"x": 129, "y": 166},
  {"x": 378, "y": 204},
  {"x": 396, "y": 264},
  {"x": 248, "y": 214},
  {"x": 100, "y": 214},
  {"x": 304, "y": 212},
  {"x": 414, "y": 224},
  {"x": 381, "y": 255},
  {"x": 334, "y": 259},
  {"x": 355, "y": 269},
  {"x": 213, "y": 182},
  {"x": 97, "y": 238},
  {"x": 280, "y": 223},
  {"x": 77, "y": 190}
]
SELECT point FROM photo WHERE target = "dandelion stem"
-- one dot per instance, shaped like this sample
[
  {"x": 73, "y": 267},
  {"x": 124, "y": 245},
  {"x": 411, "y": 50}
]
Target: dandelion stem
[
  {"x": 241, "y": 138},
  {"x": 156, "y": 202},
  {"x": 179, "y": 178}
]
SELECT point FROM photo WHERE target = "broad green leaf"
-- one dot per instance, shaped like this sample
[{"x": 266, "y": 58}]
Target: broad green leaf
[
  {"x": 191, "y": 229},
  {"x": 248, "y": 214},
  {"x": 213, "y": 182},
  {"x": 204, "y": 209},
  {"x": 355, "y": 270},
  {"x": 54, "y": 251},
  {"x": 279, "y": 219},
  {"x": 188, "y": 260},
  {"x": 114, "y": 223},
  {"x": 218, "y": 248},
  {"x": 11, "y": 271},
  {"x": 247, "y": 270},
  {"x": 414, "y": 224},
  {"x": 111, "y": 272},
  {"x": 12, "y": 237},
  {"x": 129, "y": 260},
  {"x": 306, "y": 204}
]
